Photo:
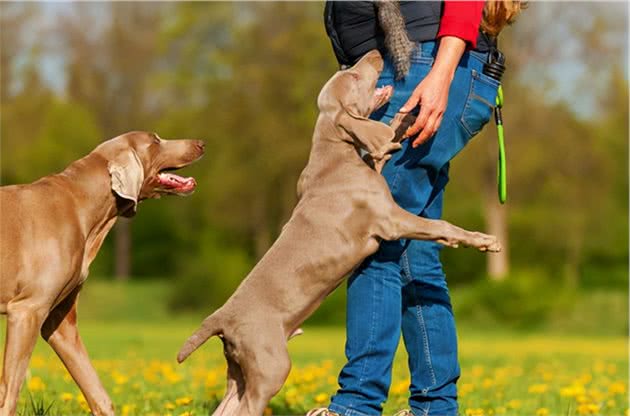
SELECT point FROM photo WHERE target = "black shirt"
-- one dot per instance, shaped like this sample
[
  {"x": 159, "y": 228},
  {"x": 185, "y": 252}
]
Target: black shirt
[{"x": 354, "y": 30}]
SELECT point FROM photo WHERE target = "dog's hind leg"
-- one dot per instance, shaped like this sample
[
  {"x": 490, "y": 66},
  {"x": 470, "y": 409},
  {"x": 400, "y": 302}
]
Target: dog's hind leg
[
  {"x": 403, "y": 224},
  {"x": 266, "y": 365},
  {"x": 23, "y": 324},
  {"x": 234, "y": 391},
  {"x": 61, "y": 332}
]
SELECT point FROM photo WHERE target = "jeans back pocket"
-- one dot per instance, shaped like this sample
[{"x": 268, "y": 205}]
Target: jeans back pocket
[{"x": 480, "y": 102}]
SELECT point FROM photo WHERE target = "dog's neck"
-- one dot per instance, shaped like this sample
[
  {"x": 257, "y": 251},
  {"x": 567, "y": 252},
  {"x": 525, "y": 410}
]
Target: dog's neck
[
  {"x": 333, "y": 139},
  {"x": 88, "y": 181},
  {"x": 330, "y": 150}
]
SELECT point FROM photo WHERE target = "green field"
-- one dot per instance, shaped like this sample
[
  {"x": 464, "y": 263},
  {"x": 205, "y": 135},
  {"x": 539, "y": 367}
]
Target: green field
[
  {"x": 133, "y": 342},
  {"x": 501, "y": 373}
]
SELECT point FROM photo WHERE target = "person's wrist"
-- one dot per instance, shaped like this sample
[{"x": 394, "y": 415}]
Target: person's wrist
[
  {"x": 450, "y": 51},
  {"x": 444, "y": 73}
]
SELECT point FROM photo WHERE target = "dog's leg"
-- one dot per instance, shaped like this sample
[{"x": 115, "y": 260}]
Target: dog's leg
[
  {"x": 61, "y": 332},
  {"x": 266, "y": 365},
  {"x": 234, "y": 391},
  {"x": 23, "y": 324},
  {"x": 403, "y": 224}
]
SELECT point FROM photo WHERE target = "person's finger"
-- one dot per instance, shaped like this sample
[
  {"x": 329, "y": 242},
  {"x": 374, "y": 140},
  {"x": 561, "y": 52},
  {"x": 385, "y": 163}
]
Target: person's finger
[
  {"x": 412, "y": 102},
  {"x": 425, "y": 113},
  {"x": 432, "y": 125}
]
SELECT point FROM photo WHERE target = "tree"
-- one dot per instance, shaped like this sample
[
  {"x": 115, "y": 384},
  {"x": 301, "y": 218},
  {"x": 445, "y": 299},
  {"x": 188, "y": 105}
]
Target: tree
[{"x": 113, "y": 83}]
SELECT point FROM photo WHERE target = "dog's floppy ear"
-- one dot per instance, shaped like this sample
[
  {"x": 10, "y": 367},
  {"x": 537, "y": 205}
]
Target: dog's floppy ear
[
  {"x": 370, "y": 134},
  {"x": 127, "y": 175}
]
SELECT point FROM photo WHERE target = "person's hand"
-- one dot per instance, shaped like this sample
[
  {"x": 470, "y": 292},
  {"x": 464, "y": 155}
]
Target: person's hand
[
  {"x": 432, "y": 96},
  {"x": 432, "y": 92}
]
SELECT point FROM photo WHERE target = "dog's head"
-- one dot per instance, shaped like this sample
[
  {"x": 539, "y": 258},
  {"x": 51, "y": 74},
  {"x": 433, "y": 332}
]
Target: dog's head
[
  {"x": 350, "y": 96},
  {"x": 141, "y": 166}
]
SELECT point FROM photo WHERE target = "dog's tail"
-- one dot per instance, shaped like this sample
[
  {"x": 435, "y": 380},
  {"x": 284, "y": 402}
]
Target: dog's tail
[{"x": 209, "y": 328}]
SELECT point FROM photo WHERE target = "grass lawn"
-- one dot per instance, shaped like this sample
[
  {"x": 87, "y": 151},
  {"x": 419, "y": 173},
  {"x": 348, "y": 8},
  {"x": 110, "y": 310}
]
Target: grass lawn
[{"x": 502, "y": 373}]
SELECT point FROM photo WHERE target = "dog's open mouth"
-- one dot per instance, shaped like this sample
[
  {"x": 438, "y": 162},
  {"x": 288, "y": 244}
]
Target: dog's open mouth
[
  {"x": 381, "y": 96},
  {"x": 175, "y": 184}
]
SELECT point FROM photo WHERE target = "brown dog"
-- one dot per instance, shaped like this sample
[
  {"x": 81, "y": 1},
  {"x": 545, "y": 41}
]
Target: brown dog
[
  {"x": 345, "y": 209},
  {"x": 51, "y": 230}
]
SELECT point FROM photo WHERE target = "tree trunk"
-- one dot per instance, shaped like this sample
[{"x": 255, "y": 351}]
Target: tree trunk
[
  {"x": 122, "y": 249},
  {"x": 498, "y": 264}
]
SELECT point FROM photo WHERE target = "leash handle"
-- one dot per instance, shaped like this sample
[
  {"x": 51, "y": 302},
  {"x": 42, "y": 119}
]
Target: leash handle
[{"x": 501, "y": 162}]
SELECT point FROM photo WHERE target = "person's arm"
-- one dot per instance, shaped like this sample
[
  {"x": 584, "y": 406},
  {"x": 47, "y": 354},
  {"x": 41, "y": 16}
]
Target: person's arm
[{"x": 458, "y": 30}]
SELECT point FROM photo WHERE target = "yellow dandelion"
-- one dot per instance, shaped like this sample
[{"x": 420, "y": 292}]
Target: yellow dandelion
[
  {"x": 211, "y": 379},
  {"x": 572, "y": 391},
  {"x": 119, "y": 378},
  {"x": 466, "y": 388},
  {"x": 291, "y": 396},
  {"x": 127, "y": 409},
  {"x": 538, "y": 388},
  {"x": 169, "y": 406},
  {"x": 183, "y": 401},
  {"x": 38, "y": 362},
  {"x": 487, "y": 383},
  {"x": 617, "y": 387},
  {"x": 321, "y": 398},
  {"x": 66, "y": 397},
  {"x": 543, "y": 411},
  {"x": 514, "y": 404},
  {"x": 35, "y": 384},
  {"x": 581, "y": 399},
  {"x": 588, "y": 409},
  {"x": 186, "y": 413},
  {"x": 268, "y": 411},
  {"x": 477, "y": 371}
]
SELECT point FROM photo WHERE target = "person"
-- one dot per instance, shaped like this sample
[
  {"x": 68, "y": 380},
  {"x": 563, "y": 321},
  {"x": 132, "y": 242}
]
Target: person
[{"x": 402, "y": 287}]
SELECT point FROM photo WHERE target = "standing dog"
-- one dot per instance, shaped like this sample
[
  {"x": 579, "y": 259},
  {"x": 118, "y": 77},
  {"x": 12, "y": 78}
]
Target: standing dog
[
  {"x": 345, "y": 209},
  {"x": 51, "y": 230}
]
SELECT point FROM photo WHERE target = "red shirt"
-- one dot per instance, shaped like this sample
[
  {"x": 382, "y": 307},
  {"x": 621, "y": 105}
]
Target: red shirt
[{"x": 461, "y": 19}]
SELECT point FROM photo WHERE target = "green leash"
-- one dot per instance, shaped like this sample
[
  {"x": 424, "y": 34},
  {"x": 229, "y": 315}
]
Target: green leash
[{"x": 501, "y": 164}]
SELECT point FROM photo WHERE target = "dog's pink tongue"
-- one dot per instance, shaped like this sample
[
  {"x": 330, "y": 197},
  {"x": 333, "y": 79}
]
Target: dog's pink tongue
[{"x": 177, "y": 183}]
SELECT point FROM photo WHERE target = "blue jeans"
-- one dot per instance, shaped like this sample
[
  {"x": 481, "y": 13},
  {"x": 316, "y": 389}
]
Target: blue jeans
[{"x": 402, "y": 286}]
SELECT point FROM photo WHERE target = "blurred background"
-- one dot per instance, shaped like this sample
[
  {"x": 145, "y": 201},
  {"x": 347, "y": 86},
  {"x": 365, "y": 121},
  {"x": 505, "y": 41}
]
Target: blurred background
[
  {"x": 245, "y": 76},
  {"x": 543, "y": 326}
]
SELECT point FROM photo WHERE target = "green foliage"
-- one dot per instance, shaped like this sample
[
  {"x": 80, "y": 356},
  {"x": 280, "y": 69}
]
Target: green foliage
[
  {"x": 524, "y": 300},
  {"x": 209, "y": 275},
  {"x": 38, "y": 407},
  {"x": 533, "y": 300},
  {"x": 245, "y": 77}
]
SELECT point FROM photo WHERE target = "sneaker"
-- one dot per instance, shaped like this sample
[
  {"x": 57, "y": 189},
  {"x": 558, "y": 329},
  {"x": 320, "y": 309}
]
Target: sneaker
[
  {"x": 404, "y": 412},
  {"x": 322, "y": 411}
]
